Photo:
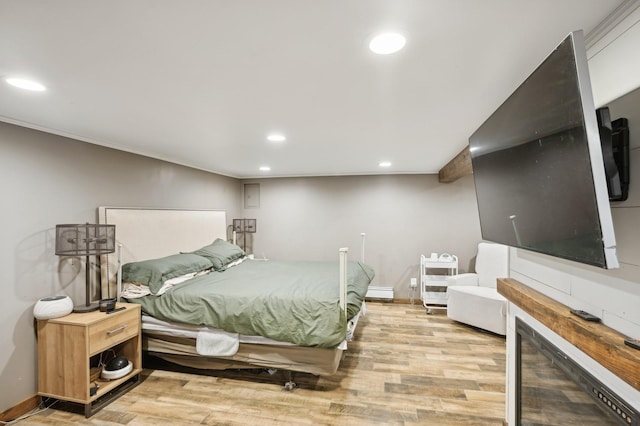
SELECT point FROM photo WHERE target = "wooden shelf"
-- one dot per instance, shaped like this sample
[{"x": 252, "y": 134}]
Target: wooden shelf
[{"x": 603, "y": 344}]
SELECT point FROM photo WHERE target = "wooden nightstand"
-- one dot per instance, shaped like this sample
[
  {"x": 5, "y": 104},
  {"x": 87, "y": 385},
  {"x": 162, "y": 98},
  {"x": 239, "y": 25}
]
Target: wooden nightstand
[{"x": 66, "y": 346}]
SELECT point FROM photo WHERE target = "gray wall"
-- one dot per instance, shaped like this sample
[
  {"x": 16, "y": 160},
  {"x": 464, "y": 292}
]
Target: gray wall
[
  {"x": 402, "y": 215},
  {"x": 46, "y": 180}
]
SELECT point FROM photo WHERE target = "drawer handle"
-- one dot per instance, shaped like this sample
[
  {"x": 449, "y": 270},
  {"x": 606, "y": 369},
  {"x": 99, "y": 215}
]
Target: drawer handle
[{"x": 116, "y": 330}]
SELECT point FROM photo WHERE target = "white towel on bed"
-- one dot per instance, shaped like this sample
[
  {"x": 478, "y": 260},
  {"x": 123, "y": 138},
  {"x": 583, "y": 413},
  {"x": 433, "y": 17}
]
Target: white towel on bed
[{"x": 217, "y": 343}]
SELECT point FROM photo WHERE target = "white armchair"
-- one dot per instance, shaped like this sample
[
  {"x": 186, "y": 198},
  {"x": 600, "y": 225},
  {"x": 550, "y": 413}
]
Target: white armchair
[{"x": 473, "y": 298}]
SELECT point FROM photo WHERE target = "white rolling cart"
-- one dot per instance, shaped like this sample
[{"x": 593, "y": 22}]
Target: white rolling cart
[{"x": 434, "y": 271}]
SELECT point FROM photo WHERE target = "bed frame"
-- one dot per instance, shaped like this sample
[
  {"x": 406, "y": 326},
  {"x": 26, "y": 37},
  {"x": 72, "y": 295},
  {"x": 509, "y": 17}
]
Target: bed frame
[{"x": 150, "y": 233}]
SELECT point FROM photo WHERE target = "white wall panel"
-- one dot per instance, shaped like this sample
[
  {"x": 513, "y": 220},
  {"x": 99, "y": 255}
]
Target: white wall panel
[
  {"x": 627, "y": 223},
  {"x": 543, "y": 269},
  {"x": 614, "y": 62},
  {"x": 620, "y": 299}
]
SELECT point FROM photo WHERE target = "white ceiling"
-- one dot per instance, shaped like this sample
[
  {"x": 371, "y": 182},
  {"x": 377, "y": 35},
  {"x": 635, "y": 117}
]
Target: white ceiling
[{"x": 202, "y": 82}]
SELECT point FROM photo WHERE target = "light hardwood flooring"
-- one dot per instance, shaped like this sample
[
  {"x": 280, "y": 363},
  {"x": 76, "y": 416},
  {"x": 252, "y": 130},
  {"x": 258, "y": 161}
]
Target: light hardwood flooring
[{"x": 403, "y": 368}]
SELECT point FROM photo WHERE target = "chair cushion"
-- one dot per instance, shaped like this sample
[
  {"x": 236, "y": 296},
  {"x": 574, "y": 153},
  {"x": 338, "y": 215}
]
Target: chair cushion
[{"x": 480, "y": 307}]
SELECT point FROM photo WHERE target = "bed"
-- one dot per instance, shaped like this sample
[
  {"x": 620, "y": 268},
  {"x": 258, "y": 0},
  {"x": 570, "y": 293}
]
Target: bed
[{"x": 239, "y": 313}]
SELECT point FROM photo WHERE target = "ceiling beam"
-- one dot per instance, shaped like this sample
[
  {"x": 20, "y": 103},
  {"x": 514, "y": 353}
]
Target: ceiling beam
[{"x": 456, "y": 168}]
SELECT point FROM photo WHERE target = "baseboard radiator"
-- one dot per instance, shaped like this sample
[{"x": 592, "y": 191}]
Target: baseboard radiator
[{"x": 380, "y": 293}]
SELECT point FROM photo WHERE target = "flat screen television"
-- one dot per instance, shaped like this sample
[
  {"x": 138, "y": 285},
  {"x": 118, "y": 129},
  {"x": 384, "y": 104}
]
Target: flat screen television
[{"x": 538, "y": 165}]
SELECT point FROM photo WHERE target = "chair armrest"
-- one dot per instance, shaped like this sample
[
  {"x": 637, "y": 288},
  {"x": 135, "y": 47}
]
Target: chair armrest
[{"x": 468, "y": 279}]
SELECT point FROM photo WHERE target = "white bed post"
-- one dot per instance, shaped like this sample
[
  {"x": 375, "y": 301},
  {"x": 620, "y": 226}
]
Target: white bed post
[
  {"x": 343, "y": 279},
  {"x": 363, "y": 235},
  {"x": 119, "y": 277}
]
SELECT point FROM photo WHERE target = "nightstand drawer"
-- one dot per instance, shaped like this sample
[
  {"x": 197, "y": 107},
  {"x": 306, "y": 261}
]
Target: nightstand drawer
[{"x": 108, "y": 333}]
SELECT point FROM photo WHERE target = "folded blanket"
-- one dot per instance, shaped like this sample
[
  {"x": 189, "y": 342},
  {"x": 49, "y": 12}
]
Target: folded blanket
[{"x": 217, "y": 343}]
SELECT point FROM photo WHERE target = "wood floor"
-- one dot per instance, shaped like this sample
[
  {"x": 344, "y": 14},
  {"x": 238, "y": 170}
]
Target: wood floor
[{"x": 403, "y": 368}]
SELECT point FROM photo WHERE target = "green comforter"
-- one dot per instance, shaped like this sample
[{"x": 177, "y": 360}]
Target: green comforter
[{"x": 295, "y": 302}]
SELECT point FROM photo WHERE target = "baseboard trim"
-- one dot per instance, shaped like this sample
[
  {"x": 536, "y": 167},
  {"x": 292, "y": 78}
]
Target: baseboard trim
[
  {"x": 380, "y": 293},
  {"x": 20, "y": 409},
  {"x": 395, "y": 301}
]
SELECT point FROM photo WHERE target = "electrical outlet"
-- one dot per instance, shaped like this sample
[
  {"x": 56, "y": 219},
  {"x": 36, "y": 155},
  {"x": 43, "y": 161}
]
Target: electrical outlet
[{"x": 414, "y": 283}]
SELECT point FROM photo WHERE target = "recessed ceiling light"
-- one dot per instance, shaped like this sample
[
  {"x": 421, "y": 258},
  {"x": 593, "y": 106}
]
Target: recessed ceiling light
[
  {"x": 26, "y": 84},
  {"x": 384, "y": 44},
  {"x": 265, "y": 168},
  {"x": 276, "y": 137},
  {"x": 384, "y": 164}
]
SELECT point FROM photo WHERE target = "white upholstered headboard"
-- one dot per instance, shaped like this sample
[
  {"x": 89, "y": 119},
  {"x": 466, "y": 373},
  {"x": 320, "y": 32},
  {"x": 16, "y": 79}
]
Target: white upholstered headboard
[{"x": 150, "y": 233}]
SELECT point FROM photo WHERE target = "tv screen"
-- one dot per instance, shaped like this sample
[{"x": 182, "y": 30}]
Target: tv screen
[{"x": 538, "y": 166}]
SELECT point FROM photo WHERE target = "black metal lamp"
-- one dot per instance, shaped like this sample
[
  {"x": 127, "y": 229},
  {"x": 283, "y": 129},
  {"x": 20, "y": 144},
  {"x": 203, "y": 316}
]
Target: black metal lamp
[{"x": 85, "y": 240}]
